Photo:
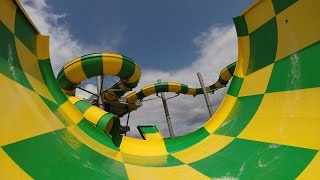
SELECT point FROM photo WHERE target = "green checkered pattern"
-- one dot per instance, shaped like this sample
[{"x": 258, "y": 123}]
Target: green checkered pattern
[{"x": 61, "y": 154}]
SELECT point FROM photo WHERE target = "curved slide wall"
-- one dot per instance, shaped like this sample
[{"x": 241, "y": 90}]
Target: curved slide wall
[{"x": 267, "y": 126}]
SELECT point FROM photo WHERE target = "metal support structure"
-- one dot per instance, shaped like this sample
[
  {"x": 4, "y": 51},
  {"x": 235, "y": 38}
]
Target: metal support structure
[
  {"x": 82, "y": 89},
  {"x": 127, "y": 124},
  {"x": 99, "y": 91},
  {"x": 206, "y": 97},
  {"x": 166, "y": 111}
]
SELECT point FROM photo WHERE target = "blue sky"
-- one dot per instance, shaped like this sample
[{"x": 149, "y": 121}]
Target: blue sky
[
  {"x": 169, "y": 40},
  {"x": 157, "y": 34}
]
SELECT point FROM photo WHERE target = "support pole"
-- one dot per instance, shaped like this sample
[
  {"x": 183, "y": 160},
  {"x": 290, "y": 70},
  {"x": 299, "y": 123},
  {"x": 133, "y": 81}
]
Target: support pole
[
  {"x": 166, "y": 111},
  {"x": 127, "y": 124},
  {"x": 206, "y": 97},
  {"x": 99, "y": 90}
]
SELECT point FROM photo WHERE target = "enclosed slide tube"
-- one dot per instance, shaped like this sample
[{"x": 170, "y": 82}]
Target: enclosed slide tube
[
  {"x": 84, "y": 67},
  {"x": 90, "y": 65}
]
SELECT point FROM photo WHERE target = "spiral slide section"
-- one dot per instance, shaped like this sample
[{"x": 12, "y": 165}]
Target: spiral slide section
[
  {"x": 84, "y": 67},
  {"x": 91, "y": 65},
  {"x": 224, "y": 77},
  {"x": 267, "y": 127},
  {"x": 101, "y": 64}
]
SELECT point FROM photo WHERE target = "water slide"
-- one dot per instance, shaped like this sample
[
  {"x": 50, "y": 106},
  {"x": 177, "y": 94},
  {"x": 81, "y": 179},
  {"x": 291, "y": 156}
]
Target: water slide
[
  {"x": 267, "y": 126},
  {"x": 110, "y": 64},
  {"x": 102, "y": 64}
]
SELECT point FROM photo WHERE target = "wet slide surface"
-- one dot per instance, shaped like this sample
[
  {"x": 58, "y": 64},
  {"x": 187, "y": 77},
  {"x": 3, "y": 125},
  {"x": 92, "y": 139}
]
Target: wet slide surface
[{"x": 267, "y": 126}]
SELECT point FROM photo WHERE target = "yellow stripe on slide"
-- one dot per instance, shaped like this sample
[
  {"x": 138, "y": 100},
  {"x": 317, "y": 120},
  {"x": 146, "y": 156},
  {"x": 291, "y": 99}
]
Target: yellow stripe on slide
[
  {"x": 221, "y": 114},
  {"x": 206, "y": 147},
  {"x": 153, "y": 136},
  {"x": 74, "y": 71},
  {"x": 30, "y": 65},
  {"x": 73, "y": 99},
  {"x": 243, "y": 56},
  {"x": 9, "y": 169},
  {"x": 174, "y": 87},
  {"x": 131, "y": 98},
  {"x": 225, "y": 75},
  {"x": 260, "y": 14},
  {"x": 109, "y": 125},
  {"x": 112, "y": 64},
  {"x": 299, "y": 31},
  {"x": 173, "y": 172},
  {"x": 43, "y": 47},
  {"x": 136, "y": 75},
  {"x": 27, "y": 114},
  {"x": 312, "y": 170},
  {"x": 142, "y": 147},
  {"x": 69, "y": 112},
  {"x": 191, "y": 91},
  {"x": 286, "y": 124},
  {"x": 261, "y": 76},
  {"x": 8, "y": 14},
  {"x": 218, "y": 84},
  {"x": 148, "y": 90},
  {"x": 94, "y": 114}
]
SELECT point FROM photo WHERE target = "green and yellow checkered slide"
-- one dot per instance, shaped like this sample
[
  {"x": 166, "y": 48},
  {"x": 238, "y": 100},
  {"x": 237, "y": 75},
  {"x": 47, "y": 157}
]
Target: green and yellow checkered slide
[{"x": 267, "y": 126}]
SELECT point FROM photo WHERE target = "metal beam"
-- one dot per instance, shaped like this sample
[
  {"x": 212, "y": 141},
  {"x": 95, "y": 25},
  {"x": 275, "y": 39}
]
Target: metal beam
[
  {"x": 99, "y": 91},
  {"x": 206, "y": 97},
  {"x": 166, "y": 111}
]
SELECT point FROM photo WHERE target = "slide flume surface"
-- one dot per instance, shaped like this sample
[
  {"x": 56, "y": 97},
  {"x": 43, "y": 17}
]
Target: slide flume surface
[{"x": 267, "y": 126}]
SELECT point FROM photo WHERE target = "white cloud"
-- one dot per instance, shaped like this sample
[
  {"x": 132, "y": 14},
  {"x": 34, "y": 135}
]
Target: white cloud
[
  {"x": 85, "y": 95},
  {"x": 217, "y": 49},
  {"x": 63, "y": 46}
]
